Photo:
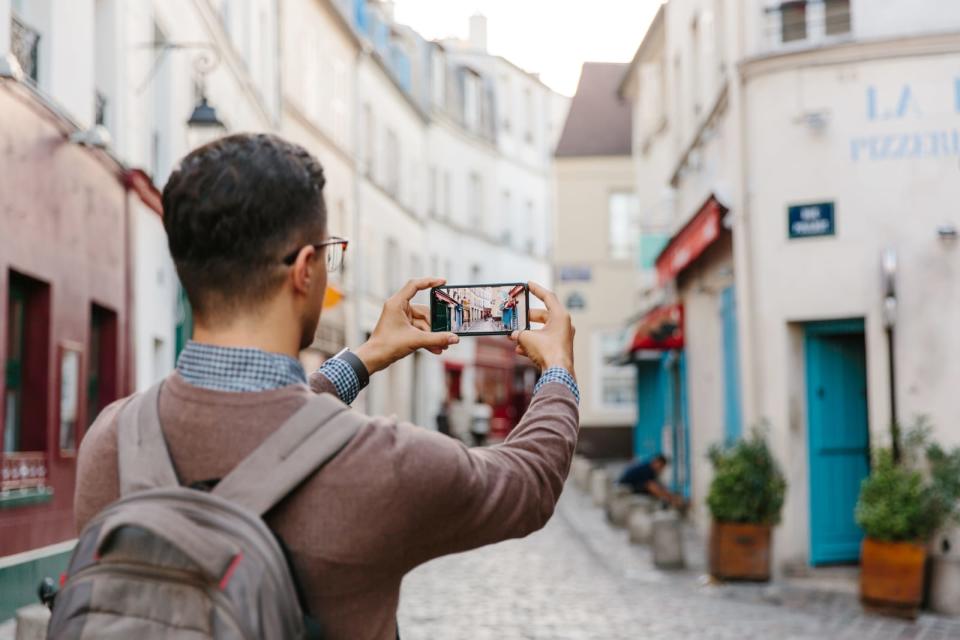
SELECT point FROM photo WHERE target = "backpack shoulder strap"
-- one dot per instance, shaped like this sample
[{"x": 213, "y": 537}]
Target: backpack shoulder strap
[
  {"x": 299, "y": 447},
  {"x": 144, "y": 460}
]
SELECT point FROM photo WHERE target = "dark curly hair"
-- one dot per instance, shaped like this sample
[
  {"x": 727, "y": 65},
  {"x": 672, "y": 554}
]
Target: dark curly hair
[{"x": 232, "y": 210}]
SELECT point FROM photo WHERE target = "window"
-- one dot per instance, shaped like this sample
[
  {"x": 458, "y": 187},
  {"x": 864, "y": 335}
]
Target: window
[
  {"x": 476, "y": 200},
  {"x": 506, "y": 107},
  {"x": 26, "y": 367},
  {"x": 837, "y": 16},
  {"x": 617, "y": 384},
  {"x": 392, "y": 163},
  {"x": 793, "y": 20},
  {"x": 369, "y": 139},
  {"x": 695, "y": 65},
  {"x": 506, "y": 214},
  {"x": 529, "y": 116},
  {"x": 624, "y": 230},
  {"x": 439, "y": 78},
  {"x": 101, "y": 361},
  {"x": 69, "y": 407},
  {"x": 433, "y": 196},
  {"x": 391, "y": 267},
  {"x": 472, "y": 92},
  {"x": 528, "y": 230},
  {"x": 447, "y": 195}
]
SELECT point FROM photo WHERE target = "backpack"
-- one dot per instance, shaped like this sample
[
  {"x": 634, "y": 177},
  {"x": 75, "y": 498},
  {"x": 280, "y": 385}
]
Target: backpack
[{"x": 167, "y": 561}]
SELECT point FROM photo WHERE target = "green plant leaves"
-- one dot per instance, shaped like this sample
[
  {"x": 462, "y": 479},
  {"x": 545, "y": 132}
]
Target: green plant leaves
[
  {"x": 748, "y": 485},
  {"x": 896, "y": 504}
]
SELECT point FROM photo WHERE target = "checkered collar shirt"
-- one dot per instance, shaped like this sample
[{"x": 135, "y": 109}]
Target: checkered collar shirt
[{"x": 237, "y": 369}]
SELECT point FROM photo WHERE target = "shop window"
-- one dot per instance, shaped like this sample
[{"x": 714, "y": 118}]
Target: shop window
[
  {"x": 27, "y": 362},
  {"x": 616, "y": 384},
  {"x": 102, "y": 376}
]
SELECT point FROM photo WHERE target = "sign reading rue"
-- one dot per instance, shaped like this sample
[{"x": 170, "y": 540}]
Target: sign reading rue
[{"x": 811, "y": 220}]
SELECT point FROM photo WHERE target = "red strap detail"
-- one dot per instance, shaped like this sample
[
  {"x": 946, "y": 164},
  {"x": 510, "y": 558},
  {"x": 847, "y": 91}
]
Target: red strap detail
[
  {"x": 63, "y": 579},
  {"x": 225, "y": 580}
]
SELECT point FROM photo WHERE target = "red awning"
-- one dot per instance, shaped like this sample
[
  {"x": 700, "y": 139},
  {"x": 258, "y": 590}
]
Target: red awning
[
  {"x": 444, "y": 297},
  {"x": 516, "y": 291},
  {"x": 691, "y": 241},
  {"x": 660, "y": 330}
]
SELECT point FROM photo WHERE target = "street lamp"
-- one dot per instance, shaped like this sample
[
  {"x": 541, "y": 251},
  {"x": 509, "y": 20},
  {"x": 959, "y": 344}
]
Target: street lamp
[
  {"x": 888, "y": 269},
  {"x": 204, "y": 126}
]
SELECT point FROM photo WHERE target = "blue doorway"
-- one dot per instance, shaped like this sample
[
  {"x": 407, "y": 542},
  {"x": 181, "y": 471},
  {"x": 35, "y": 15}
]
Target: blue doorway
[
  {"x": 732, "y": 414},
  {"x": 838, "y": 436},
  {"x": 648, "y": 432}
]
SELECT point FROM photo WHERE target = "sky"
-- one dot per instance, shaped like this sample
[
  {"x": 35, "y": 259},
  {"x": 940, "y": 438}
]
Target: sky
[{"x": 549, "y": 37}]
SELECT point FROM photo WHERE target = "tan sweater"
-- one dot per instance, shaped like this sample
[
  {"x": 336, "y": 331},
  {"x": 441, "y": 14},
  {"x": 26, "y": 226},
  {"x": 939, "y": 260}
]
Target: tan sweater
[{"x": 395, "y": 497}]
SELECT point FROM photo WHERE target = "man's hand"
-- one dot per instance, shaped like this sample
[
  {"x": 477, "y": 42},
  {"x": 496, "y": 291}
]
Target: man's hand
[
  {"x": 551, "y": 346},
  {"x": 403, "y": 328}
]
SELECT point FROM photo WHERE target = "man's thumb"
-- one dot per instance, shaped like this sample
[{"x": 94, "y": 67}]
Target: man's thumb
[{"x": 444, "y": 339}]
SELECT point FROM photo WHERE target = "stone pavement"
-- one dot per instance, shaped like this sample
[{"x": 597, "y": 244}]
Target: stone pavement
[{"x": 579, "y": 579}]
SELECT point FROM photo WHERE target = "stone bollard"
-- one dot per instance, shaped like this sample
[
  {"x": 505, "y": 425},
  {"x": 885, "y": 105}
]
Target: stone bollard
[
  {"x": 32, "y": 622},
  {"x": 944, "y": 572},
  {"x": 640, "y": 520},
  {"x": 599, "y": 483},
  {"x": 619, "y": 502},
  {"x": 667, "y": 540},
  {"x": 580, "y": 471}
]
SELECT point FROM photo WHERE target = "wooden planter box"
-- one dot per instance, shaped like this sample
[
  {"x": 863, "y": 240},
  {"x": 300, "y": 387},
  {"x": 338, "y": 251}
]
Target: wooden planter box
[
  {"x": 891, "y": 577},
  {"x": 740, "y": 551}
]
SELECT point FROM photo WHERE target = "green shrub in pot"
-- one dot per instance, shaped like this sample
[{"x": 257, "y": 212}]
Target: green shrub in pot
[
  {"x": 897, "y": 504},
  {"x": 748, "y": 485}
]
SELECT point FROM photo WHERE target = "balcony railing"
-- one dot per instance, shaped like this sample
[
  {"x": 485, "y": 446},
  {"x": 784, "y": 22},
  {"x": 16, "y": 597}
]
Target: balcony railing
[
  {"x": 25, "y": 45},
  {"x": 23, "y": 470}
]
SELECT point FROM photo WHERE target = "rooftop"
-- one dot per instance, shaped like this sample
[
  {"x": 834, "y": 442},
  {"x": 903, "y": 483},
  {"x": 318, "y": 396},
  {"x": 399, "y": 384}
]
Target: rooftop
[{"x": 598, "y": 123}]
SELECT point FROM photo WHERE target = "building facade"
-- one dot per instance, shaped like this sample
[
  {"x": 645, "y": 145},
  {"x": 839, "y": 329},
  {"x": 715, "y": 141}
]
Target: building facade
[
  {"x": 596, "y": 269},
  {"x": 808, "y": 145}
]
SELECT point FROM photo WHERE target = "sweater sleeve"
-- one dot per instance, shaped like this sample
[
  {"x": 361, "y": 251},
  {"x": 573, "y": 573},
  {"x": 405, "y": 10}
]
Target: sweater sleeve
[{"x": 464, "y": 498}]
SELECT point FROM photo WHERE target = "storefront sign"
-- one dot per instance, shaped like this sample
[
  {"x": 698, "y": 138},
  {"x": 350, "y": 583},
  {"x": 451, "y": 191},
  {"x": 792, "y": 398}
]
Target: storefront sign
[
  {"x": 576, "y": 302},
  {"x": 691, "y": 241},
  {"x": 811, "y": 220},
  {"x": 575, "y": 273}
]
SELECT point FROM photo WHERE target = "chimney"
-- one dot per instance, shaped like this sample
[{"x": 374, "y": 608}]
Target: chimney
[{"x": 478, "y": 31}]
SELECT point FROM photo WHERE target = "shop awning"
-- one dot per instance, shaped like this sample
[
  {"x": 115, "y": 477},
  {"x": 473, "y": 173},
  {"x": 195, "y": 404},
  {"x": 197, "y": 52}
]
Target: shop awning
[
  {"x": 516, "y": 291},
  {"x": 691, "y": 241},
  {"x": 660, "y": 330},
  {"x": 445, "y": 297}
]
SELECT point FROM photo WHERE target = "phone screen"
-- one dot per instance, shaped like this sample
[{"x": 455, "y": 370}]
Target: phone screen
[{"x": 480, "y": 309}]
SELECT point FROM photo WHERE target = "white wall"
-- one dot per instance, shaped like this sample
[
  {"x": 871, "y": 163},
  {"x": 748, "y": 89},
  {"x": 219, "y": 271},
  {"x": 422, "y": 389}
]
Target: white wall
[{"x": 155, "y": 302}]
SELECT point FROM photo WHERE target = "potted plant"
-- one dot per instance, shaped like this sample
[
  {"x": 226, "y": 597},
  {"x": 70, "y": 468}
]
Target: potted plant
[
  {"x": 898, "y": 510},
  {"x": 745, "y": 499}
]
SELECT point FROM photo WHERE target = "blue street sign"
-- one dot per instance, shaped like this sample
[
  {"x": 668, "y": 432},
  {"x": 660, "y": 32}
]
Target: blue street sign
[
  {"x": 575, "y": 273},
  {"x": 811, "y": 220}
]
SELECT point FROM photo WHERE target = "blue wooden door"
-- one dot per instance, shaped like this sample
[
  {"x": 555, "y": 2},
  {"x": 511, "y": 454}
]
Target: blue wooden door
[
  {"x": 839, "y": 446},
  {"x": 649, "y": 428},
  {"x": 732, "y": 415}
]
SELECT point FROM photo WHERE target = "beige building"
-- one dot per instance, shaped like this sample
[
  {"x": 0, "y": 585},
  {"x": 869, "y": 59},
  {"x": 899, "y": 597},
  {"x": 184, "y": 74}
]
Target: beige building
[
  {"x": 596, "y": 275},
  {"x": 794, "y": 144}
]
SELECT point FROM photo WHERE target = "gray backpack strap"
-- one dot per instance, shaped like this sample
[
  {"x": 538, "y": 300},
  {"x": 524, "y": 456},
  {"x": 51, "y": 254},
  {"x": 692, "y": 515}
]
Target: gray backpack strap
[
  {"x": 299, "y": 447},
  {"x": 144, "y": 459}
]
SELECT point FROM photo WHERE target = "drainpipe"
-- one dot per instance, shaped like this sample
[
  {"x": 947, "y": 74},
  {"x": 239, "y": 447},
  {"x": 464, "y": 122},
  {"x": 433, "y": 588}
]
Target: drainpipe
[
  {"x": 742, "y": 245},
  {"x": 888, "y": 265}
]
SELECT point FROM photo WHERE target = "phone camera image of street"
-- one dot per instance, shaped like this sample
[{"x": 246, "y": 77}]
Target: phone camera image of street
[{"x": 479, "y": 310}]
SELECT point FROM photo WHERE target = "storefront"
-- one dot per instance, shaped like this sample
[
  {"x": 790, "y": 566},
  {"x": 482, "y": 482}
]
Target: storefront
[
  {"x": 65, "y": 283},
  {"x": 504, "y": 380}
]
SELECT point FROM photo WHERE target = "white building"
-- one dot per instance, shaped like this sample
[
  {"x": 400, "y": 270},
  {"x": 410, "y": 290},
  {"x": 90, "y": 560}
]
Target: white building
[{"x": 799, "y": 141}]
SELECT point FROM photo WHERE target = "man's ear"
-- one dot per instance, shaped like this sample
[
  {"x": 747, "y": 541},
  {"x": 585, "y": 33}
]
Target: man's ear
[{"x": 302, "y": 271}]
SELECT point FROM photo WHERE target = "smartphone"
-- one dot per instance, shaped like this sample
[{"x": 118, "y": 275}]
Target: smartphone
[{"x": 480, "y": 309}]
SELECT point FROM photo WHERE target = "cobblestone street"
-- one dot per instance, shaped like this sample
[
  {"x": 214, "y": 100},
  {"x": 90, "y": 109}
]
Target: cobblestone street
[{"x": 579, "y": 579}]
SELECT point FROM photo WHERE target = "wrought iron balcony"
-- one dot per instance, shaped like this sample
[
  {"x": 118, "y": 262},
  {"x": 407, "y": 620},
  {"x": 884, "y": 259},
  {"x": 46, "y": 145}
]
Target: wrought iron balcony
[{"x": 25, "y": 45}]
